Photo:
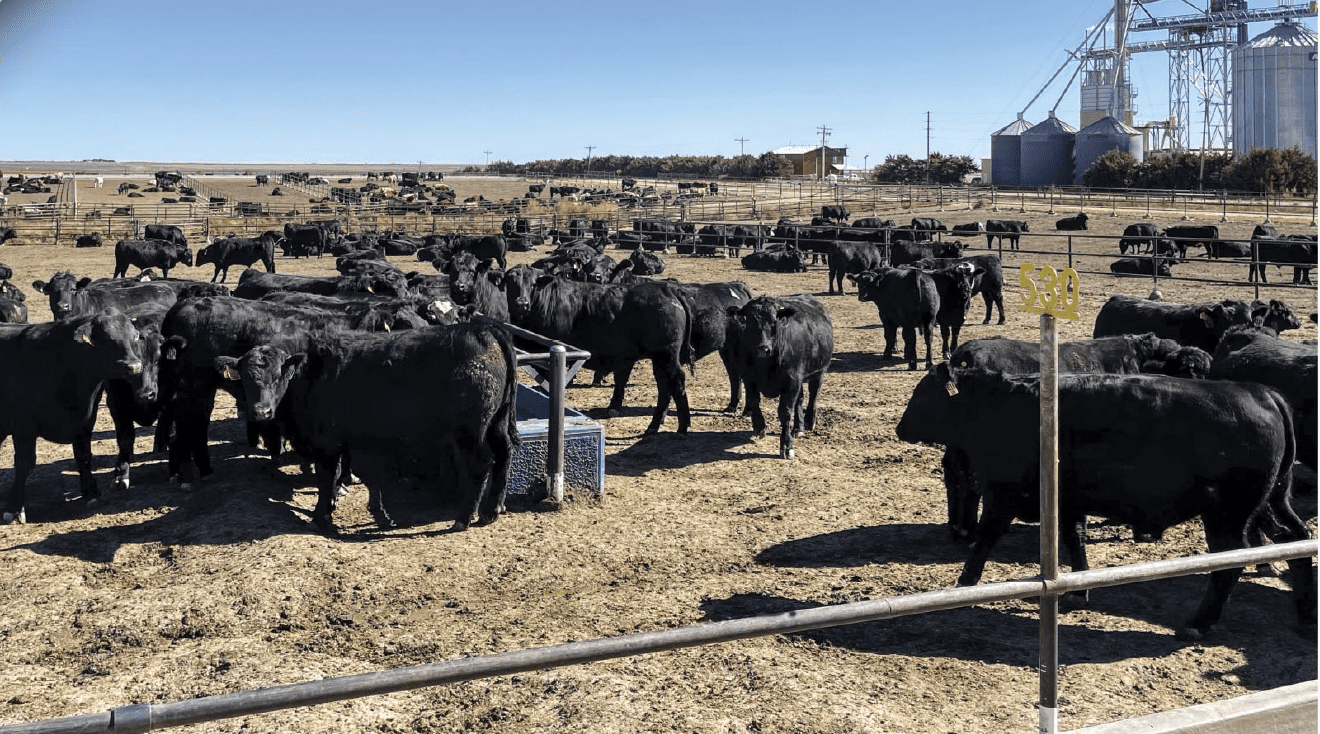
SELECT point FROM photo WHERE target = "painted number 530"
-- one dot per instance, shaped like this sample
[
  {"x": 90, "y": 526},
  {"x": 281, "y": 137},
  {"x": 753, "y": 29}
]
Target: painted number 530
[{"x": 1046, "y": 290}]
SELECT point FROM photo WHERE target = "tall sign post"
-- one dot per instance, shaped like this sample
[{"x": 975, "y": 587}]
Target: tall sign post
[{"x": 1054, "y": 295}]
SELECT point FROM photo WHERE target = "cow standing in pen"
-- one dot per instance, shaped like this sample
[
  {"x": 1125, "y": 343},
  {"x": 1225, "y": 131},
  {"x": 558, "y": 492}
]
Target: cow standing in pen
[{"x": 781, "y": 346}]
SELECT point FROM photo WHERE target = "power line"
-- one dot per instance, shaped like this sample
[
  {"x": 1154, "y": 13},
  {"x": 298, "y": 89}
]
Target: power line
[
  {"x": 824, "y": 133},
  {"x": 740, "y": 142},
  {"x": 589, "y": 149}
]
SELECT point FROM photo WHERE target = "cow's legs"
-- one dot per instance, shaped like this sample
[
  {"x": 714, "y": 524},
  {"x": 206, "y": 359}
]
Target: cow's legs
[
  {"x": 910, "y": 346},
  {"x": 1072, "y": 532},
  {"x": 813, "y": 390},
  {"x": 925, "y": 332},
  {"x": 121, "y": 412},
  {"x": 734, "y": 381},
  {"x": 622, "y": 373},
  {"x": 788, "y": 408},
  {"x": 994, "y": 523},
  {"x": 960, "y": 493},
  {"x": 82, "y": 458},
  {"x": 25, "y": 458},
  {"x": 753, "y": 408},
  {"x": 891, "y": 336},
  {"x": 670, "y": 385}
]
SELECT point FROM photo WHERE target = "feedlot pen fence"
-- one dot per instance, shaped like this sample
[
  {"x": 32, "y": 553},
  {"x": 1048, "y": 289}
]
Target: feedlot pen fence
[{"x": 148, "y": 717}]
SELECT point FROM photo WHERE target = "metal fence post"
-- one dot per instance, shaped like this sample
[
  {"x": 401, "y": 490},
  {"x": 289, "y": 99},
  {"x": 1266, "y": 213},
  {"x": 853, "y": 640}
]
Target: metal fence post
[
  {"x": 1049, "y": 525},
  {"x": 554, "y": 459}
]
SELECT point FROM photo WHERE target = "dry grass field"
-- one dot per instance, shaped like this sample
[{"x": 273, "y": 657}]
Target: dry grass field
[{"x": 158, "y": 595}]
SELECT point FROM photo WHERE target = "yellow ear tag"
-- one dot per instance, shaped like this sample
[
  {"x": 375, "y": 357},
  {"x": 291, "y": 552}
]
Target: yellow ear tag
[
  {"x": 86, "y": 339},
  {"x": 951, "y": 387},
  {"x": 231, "y": 374}
]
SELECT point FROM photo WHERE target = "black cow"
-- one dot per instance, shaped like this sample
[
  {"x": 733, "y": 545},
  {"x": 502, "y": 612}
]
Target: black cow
[
  {"x": 990, "y": 285},
  {"x": 92, "y": 239},
  {"x": 70, "y": 296},
  {"x": 1142, "y": 266},
  {"x": 928, "y": 226},
  {"x": 1137, "y": 236},
  {"x": 1185, "y": 235},
  {"x": 780, "y": 345},
  {"x": 166, "y": 232},
  {"x": 7, "y": 234},
  {"x": 451, "y": 393},
  {"x": 852, "y": 258},
  {"x": 905, "y": 299},
  {"x": 13, "y": 306},
  {"x": 837, "y": 213},
  {"x": 1004, "y": 229},
  {"x": 130, "y": 408},
  {"x": 1071, "y": 224},
  {"x": 955, "y": 285},
  {"x": 263, "y": 179},
  {"x": 874, "y": 223},
  {"x": 150, "y": 253},
  {"x": 366, "y": 313},
  {"x": 238, "y": 251},
  {"x": 970, "y": 228},
  {"x": 1118, "y": 355},
  {"x": 787, "y": 259},
  {"x": 618, "y": 324},
  {"x": 1194, "y": 325},
  {"x": 254, "y": 284},
  {"x": 907, "y": 253},
  {"x": 645, "y": 263},
  {"x": 1296, "y": 250},
  {"x": 709, "y": 304},
  {"x": 474, "y": 283},
  {"x": 1220, "y": 249},
  {"x": 1253, "y": 354},
  {"x": 484, "y": 247},
  {"x": 1124, "y": 455},
  {"x": 51, "y": 386}
]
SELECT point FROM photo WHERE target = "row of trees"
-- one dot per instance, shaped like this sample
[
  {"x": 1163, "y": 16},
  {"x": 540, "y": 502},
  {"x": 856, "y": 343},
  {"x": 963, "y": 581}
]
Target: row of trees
[
  {"x": 1263, "y": 170},
  {"x": 939, "y": 169},
  {"x": 766, "y": 165}
]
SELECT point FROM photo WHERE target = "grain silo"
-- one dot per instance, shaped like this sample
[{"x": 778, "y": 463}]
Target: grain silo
[
  {"x": 1274, "y": 90},
  {"x": 1106, "y": 134},
  {"x": 1006, "y": 153},
  {"x": 1047, "y": 153}
]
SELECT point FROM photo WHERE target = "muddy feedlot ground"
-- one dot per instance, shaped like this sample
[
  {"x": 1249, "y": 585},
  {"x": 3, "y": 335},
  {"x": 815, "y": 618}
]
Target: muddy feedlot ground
[{"x": 159, "y": 595}]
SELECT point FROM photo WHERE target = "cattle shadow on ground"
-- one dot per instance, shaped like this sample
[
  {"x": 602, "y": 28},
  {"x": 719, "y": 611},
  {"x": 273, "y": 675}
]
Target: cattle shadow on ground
[
  {"x": 909, "y": 543},
  {"x": 991, "y": 636},
  {"x": 666, "y": 450},
  {"x": 861, "y": 362}
]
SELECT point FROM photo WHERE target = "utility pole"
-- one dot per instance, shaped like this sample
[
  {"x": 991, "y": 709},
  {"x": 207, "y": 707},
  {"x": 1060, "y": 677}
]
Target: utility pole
[
  {"x": 487, "y": 152},
  {"x": 928, "y": 147},
  {"x": 824, "y": 133},
  {"x": 589, "y": 149},
  {"x": 740, "y": 142}
]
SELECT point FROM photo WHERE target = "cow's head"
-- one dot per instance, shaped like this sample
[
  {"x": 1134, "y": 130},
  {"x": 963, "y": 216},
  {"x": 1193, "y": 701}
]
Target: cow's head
[
  {"x": 758, "y": 322},
  {"x": 1275, "y": 315},
  {"x": 114, "y": 348},
  {"x": 62, "y": 290},
  {"x": 265, "y": 373}
]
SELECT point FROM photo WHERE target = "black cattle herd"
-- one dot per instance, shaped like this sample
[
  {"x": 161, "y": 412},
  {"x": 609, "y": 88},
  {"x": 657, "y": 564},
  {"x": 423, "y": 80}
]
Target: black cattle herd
[{"x": 1173, "y": 411}]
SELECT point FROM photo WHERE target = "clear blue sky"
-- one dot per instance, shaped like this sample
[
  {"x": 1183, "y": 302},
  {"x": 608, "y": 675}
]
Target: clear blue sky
[{"x": 401, "y": 81}]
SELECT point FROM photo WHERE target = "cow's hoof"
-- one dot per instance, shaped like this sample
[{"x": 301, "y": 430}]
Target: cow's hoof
[
  {"x": 341, "y": 490},
  {"x": 1072, "y": 602},
  {"x": 1190, "y": 634},
  {"x": 1265, "y": 570},
  {"x": 16, "y": 518},
  {"x": 460, "y": 525}
]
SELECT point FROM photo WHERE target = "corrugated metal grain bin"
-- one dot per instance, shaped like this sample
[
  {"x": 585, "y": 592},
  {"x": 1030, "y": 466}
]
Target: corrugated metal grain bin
[
  {"x": 1047, "y": 153},
  {"x": 1106, "y": 134},
  {"x": 1274, "y": 90},
  {"x": 1006, "y": 152},
  {"x": 584, "y": 447}
]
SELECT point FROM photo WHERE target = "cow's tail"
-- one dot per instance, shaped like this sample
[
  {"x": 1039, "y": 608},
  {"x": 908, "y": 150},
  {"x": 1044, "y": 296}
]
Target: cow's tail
[
  {"x": 1276, "y": 505},
  {"x": 685, "y": 351}
]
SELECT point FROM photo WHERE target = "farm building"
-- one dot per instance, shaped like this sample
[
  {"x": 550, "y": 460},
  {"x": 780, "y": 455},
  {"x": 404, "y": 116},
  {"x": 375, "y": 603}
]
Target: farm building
[{"x": 806, "y": 159}]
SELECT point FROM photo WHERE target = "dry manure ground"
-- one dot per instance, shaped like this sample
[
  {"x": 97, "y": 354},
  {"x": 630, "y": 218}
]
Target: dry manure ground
[{"x": 160, "y": 595}]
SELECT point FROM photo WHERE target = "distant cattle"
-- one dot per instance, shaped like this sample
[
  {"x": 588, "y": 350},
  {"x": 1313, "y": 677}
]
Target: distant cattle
[
  {"x": 837, "y": 213},
  {"x": 1142, "y": 266},
  {"x": 787, "y": 259},
  {"x": 928, "y": 227},
  {"x": 7, "y": 234},
  {"x": 1072, "y": 223},
  {"x": 780, "y": 347},
  {"x": 166, "y": 232},
  {"x": 262, "y": 179},
  {"x": 91, "y": 239},
  {"x": 244, "y": 251},
  {"x": 1298, "y": 251},
  {"x": 150, "y": 253},
  {"x": 906, "y": 299},
  {"x": 955, "y": 285},
  {"x": 1184, "y": 236},
  {"x": 1010, "y": 229},
  {"x": 971, "y": 228},
  {"x": 906, "y": 253}
]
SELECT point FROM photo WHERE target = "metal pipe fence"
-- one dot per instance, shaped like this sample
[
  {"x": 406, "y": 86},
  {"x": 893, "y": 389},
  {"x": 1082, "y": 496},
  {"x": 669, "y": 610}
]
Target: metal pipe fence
[{"x": 149, "y": 717}]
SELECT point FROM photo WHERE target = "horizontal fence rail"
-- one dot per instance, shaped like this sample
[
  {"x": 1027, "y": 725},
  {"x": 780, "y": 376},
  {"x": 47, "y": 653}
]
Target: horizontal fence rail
[{"x": 148, "y": 717}]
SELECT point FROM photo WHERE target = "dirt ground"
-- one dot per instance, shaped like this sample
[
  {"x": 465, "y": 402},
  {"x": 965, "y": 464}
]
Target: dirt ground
[{"x": 158, "y": 595}]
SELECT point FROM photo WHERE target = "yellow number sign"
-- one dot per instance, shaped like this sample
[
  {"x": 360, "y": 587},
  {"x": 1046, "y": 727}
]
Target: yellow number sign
[{"x": 1058, "y": 292}]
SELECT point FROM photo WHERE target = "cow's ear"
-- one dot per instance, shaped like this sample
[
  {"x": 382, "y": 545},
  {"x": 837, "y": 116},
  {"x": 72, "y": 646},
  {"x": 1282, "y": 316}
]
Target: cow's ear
[
  {"x": 83, "y": 334},
  {"x": 170, "y": 348},
  {"x": 41, "y": 286},
  {"x": 293, "y": 365},
  {"x": 545, "y": 280},
  {"x": 496, "y": 277},
  {"x": 228, "y": 368},
  {"x": 786, "y": 312},
  {"x": 84, "y": 282}
]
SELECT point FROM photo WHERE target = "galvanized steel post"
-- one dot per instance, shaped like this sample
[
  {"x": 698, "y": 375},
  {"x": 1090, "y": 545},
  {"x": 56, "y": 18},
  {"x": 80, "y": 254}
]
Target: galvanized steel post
[
  {"x": 1049, "y": 524},
  {"x": 554, "y": 460}
]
